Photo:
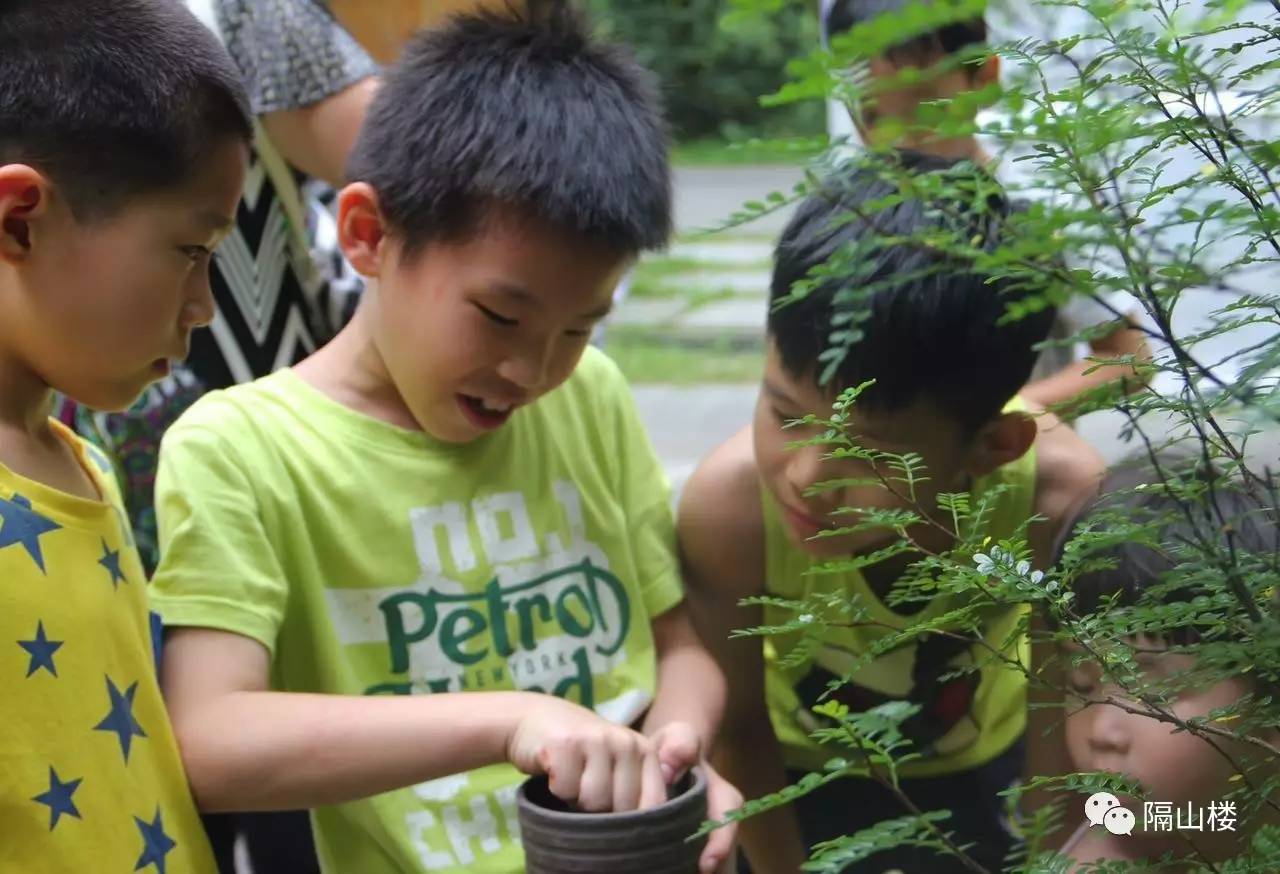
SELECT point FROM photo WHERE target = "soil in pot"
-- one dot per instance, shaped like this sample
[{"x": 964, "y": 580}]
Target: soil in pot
[{"x": 560, "y": 840}]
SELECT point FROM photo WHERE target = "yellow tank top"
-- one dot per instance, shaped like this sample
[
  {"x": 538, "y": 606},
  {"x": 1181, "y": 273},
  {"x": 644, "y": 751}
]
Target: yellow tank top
[{"x": 965, "y": 721}]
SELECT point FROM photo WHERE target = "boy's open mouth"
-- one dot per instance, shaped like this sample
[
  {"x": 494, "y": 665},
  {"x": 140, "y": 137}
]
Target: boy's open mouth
[
  {"x": 805, "y": 524},
  {"x": 485, "y": 414}
]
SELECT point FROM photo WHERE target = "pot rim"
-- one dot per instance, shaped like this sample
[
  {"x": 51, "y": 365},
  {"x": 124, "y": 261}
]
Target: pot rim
[{"x": 697, "y": 787}]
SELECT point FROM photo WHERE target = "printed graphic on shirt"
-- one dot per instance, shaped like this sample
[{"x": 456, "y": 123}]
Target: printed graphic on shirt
[
  {"x": 552, "y": 618},
  {"x": 923, "y": 672}
]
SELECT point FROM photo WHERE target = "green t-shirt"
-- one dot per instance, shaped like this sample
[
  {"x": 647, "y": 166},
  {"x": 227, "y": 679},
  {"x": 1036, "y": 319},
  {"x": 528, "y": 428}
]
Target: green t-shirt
[{"x": 373, "y": 560}]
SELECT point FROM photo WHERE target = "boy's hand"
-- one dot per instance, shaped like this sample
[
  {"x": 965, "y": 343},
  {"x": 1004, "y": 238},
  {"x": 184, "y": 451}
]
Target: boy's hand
[
  {"x": 589, "y": 761},
  {"x": 679, "y": 748}
]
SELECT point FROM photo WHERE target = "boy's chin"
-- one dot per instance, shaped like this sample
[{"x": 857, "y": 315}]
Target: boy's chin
[{"x": 114, "y": 398}]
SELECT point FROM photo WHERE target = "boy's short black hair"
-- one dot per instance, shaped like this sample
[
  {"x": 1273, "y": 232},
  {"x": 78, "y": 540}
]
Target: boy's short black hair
[
  {"x": 1134, "y": 493},
  {"x": 523, "y": 111},
  {"x": 929, "y": 320},
  {"x": 844, "y": 15},
  {"x": 113, "y": 98}
]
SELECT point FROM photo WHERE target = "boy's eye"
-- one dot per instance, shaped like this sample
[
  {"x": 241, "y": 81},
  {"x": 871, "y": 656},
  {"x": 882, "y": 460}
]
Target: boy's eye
[
  {"x": 195, "y": 253},
  {"x": 1081, "y": 683},
  {"x": 577, "y": 333},
  {"x": 495, "y": 317},
  {"x": 784, "y": 417}
]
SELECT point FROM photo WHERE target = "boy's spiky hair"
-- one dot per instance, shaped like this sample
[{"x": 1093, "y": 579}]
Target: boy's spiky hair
[
  {"x": 525, "y": 111},
  {"x": 844, "y": 15},
  {"x": 930, "y": 321},
  {"x": 113, "y": 98}
]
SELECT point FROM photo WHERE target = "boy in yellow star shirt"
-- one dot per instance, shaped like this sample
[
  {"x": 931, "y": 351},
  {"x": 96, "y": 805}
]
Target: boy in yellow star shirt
[{"x": 123, "y": 145}]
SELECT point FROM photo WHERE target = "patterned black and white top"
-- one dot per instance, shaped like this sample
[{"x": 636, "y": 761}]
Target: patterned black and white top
[{"x": 274, "y": 306}]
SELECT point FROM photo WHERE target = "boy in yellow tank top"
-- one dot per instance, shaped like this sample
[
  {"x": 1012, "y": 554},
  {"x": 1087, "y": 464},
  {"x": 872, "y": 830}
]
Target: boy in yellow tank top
[
  {"x": 946, "y": 375},
  {"x": 123, "y": 144}
]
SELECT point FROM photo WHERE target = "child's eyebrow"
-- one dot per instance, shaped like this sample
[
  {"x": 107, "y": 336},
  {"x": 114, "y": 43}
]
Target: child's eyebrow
[
  {"x": 515, "y": 292},
  {"x": 599, "y": 312},
  {"x": 216, "y": 221}
]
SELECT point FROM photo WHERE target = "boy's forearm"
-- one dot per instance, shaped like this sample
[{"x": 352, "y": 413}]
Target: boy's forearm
[
  {"x": 691, "y": 687},
  {"x": 1078, "y": 378},
  {"x": 751, "y": 759},
  {"x": 256, "y": 750}
]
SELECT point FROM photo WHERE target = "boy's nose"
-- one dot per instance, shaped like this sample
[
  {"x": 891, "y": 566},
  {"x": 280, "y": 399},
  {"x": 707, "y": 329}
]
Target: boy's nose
[
  {"x": 528, "y": 368},
  {"x": 804, "y": 467},
  {"x": 1109, "y": 732},
  {"x": 199, "y": 309}
]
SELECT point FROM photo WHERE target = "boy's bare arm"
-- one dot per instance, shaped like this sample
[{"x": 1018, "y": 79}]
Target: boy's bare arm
[
  {"x": 1069, "y": 472},
  {"x": 248, "y": 748},
  {"x": 1081, "y": 376},
  {"x": 721, "y": 542},
  {"x": 691, "y": 686},
  {"x": 685, "y": 717},
  {"x": 317, "y": 139}
]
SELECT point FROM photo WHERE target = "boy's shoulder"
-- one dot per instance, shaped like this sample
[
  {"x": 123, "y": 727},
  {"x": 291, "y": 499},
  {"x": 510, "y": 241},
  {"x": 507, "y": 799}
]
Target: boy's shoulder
[
  {"x": 721, "y": 517},
  {"x": 233, "y": 417},
  {"x": 596, "y": 377},
  {"x": 596, "y": 396},
  {"x": 1069, "y": 472}
]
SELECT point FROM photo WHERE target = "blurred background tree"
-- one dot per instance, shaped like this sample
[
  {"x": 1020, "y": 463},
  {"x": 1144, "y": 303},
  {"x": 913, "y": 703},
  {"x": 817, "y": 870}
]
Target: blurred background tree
[{"x": 714, "y": 67}]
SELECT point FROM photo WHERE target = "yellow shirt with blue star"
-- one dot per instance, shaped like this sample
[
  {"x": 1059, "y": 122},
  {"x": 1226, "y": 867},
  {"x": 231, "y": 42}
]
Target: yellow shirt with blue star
[{"x": 90, "y": 777}]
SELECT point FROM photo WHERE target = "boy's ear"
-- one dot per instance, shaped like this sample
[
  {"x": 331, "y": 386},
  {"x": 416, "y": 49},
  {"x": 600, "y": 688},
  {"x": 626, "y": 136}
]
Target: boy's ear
[
  {"x": 362, "y": 231},
  {"x": 989, "y": 72},
  {"x": 24, "y": 197},
  {"x": 1004, "y": 439}
]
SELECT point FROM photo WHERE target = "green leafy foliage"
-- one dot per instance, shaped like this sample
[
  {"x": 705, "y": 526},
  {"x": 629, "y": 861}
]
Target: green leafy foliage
[
  {"x": 713, "y": 66},
  {"x": 1091, "y": 129}
]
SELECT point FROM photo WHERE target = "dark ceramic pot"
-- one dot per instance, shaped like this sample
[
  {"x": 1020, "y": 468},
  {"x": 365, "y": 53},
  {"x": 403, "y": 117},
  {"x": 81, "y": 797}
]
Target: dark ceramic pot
[{"x": 558, "y": 840}]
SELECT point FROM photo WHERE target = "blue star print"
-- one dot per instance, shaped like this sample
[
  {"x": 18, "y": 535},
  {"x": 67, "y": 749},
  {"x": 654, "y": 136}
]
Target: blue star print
[
  {"x": 110, "y": 561},
  {"x": 41, "y": 650},
  {"x": 58, "y": 798},
  {"x": 20, "y": 525},
  {"x": 120, "y": 720},
  {"x": 155, "y": 843}
]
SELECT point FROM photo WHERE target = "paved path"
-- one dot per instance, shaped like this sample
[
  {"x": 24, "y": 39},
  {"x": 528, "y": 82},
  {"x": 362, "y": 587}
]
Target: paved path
[{"x": 707, "y": 196}]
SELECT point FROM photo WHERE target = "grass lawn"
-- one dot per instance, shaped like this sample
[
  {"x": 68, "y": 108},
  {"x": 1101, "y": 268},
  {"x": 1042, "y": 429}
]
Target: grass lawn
[
  {"x": 648, "y": 356},
  {"x": 714, "y": 152},
  {"x": 659, "y": 277}
]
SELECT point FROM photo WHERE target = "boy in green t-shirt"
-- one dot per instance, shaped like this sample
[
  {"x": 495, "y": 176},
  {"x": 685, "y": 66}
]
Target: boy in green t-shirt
[
  {"x": 124, "y": 138},
  {"x": 455, "y": 495},
  {"x": 946, "y": 373}
]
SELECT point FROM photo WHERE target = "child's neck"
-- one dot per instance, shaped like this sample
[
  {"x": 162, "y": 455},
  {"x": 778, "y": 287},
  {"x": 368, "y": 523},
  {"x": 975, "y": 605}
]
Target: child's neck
[
  {"x": 880, "y": 577},
  {"x": 26, "y": 400},
  {"x": 962, "y": 149},
  {"x": 350, "y": 370},
  {"x": 29, "y": 446}
]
